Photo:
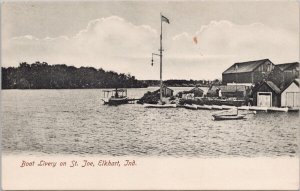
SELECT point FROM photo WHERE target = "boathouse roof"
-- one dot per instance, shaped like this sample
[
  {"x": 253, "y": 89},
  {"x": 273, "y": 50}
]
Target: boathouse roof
[
  {"x": 296, "y": 81},
  {"x": 273, "y": 86},
  {"x": 242, "y": 67},
  {"x": 286, "y": 66}
]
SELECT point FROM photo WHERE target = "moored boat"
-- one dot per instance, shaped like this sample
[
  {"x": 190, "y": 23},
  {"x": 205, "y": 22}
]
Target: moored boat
[
  {"x": 228, "y": 117},
  {"x": 147, "y": 105},
  {"x": 217, "y": 107},
  {"x": 205, "y": 107},
  {"x": 280, "y": 109},
  {"x": 119, "y": 96},
  {"x": 243, "y": 108},
  {"x": 256, "y": 108},
  {"x": 227, "y": 107},
  {"x": 188, "y": 106}
]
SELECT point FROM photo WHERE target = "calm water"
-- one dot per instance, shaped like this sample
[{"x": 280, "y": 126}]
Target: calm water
[{"x": 76, "y": 122}]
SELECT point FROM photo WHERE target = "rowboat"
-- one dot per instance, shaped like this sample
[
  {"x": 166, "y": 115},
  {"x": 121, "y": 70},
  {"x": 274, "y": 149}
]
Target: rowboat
[
  {"x": 282, "y": 109},
  {"x": 188, "y": 106},
  {"x": 228, "y": 107},
  {"x": 146, "y": 105},
  {"x": 218, "y": 107},
  {"x": 255, "y": 108},
  {"x": 294, "y": 109},
  {"x": 228, "y": 117},
  {"x": 206, "y": 107},
  {"x": 244, "y": 108}
]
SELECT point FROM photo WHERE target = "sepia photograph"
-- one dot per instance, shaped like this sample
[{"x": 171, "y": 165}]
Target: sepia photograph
[{"x": 141, "y": 95}]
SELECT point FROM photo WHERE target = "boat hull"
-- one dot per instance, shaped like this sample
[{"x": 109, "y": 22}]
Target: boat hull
[
  {"x": 205, "y": 107},
  {"x": 116, "y": 101},
  {"x": 228, "y": 117},
  {"x": 279, "y": 109},
  {"x": 146, "y": 105},
  {"x": 188, "y": 106}
]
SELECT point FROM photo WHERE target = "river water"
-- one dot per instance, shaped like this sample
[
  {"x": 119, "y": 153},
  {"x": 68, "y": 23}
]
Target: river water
[{"x": 76, "y": 122}]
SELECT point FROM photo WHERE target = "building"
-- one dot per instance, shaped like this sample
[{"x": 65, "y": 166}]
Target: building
[
  {"x": 248, "y": 72},
  {"x": 290, "y": 71},
  {"x": 290, "y": 95},
  {"x": 195, "y": 92},
  {"x": 230, "y": 91},
  {"x": 266, "y": 94},
  {"x": 166, "y": 92}
]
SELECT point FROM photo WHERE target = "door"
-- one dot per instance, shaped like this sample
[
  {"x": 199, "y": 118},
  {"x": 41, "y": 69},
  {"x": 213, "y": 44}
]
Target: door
[{"x": 264, "y": 99}]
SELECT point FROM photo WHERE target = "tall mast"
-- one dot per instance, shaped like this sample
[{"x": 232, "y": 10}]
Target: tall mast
[{"x": 160, "y": 50}]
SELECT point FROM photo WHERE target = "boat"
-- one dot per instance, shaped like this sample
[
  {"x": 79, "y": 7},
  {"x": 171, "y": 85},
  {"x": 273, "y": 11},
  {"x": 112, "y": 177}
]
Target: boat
[
  {"x": 243, "y": 108},
  {"x": 118, "y": 97},
  {"x": 255, "y": 108},
  {"x": 293, "y": 109},
  {"x": 218, "y": 107},
  {"x": 188, "y": 106},
  {"x": 205, "y": 107},
  {"x": 146, "y": 105},
  {"x": 228, "y": 117},
  {"x": 281, "y": 109},
  {"x": 227, "y": 107}
]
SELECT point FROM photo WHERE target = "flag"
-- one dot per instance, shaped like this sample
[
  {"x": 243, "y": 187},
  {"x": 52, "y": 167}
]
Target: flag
[
  {"x": 163, "y": 18},
  {"x": 195, "y": 40}
]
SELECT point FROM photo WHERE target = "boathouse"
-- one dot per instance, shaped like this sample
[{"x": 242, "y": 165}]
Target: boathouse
[
  {"x": 166, "y": 92},
  {"x": 266, "y": 94},
  {"x": 290, "y": 95},
  {"x": 248, "y": 72}
]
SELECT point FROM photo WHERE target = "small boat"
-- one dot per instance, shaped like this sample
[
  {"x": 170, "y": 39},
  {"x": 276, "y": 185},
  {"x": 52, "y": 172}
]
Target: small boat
[
  {"x": 282, "y": 109},
  {"x": 188, "y": 106},
  {"x": 146, "y": 105},
  {"x": 293, "y": 109},
  {"x": 227, "y": 107},
  {"x": 255, "y": 108},
  {"x": 206, "y": 107},
  {"x": 243, "y": 108},
  {"x": 228, "y": 117},
  {"x": 218, "y": 107}
]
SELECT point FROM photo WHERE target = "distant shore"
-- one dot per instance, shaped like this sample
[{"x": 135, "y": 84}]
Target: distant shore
[{"x": 40, "y": 75}]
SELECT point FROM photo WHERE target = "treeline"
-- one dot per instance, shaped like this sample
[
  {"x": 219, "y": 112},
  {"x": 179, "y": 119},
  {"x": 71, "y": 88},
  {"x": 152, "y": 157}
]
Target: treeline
[
  {"x": 40, "y": 75},
  {"x": 183, "y": 83}
]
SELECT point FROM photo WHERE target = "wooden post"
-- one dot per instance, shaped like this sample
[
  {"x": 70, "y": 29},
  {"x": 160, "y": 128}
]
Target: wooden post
[{"x": 160, "y": 58}]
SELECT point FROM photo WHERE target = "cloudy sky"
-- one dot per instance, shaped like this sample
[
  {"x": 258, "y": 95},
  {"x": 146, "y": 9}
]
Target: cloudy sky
[{"x": 121, "y": 35}]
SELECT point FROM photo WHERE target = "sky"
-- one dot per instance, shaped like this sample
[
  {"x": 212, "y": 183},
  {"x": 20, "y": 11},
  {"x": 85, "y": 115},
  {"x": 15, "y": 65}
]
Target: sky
[{"x": 122, "y": 35}]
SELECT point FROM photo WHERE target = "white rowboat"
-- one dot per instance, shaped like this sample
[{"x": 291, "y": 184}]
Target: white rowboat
[
  {"x": 188, "y": 106},
  {"x": 146, "y": 105}
]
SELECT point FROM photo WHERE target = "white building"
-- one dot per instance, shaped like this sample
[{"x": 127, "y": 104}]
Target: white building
[{"x": 290, "y": 96}]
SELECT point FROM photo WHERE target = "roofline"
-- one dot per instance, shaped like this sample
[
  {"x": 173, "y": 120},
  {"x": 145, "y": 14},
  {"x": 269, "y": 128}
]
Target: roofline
[
  {"x": 236, "y": 72},
  {"x": 265, "y": 82},
  {"x": 266, "y": 59},
  {"x": 289, "y": 85},
  {"x": 263, "y": 62}
]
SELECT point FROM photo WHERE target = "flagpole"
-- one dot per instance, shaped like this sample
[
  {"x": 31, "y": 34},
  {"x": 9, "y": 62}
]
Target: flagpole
[{"x": 161, "y": 58}]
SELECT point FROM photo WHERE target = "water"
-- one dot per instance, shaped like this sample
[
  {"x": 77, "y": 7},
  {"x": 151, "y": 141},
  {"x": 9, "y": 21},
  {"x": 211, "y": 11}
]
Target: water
[{"x": 75, "y": 122}]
